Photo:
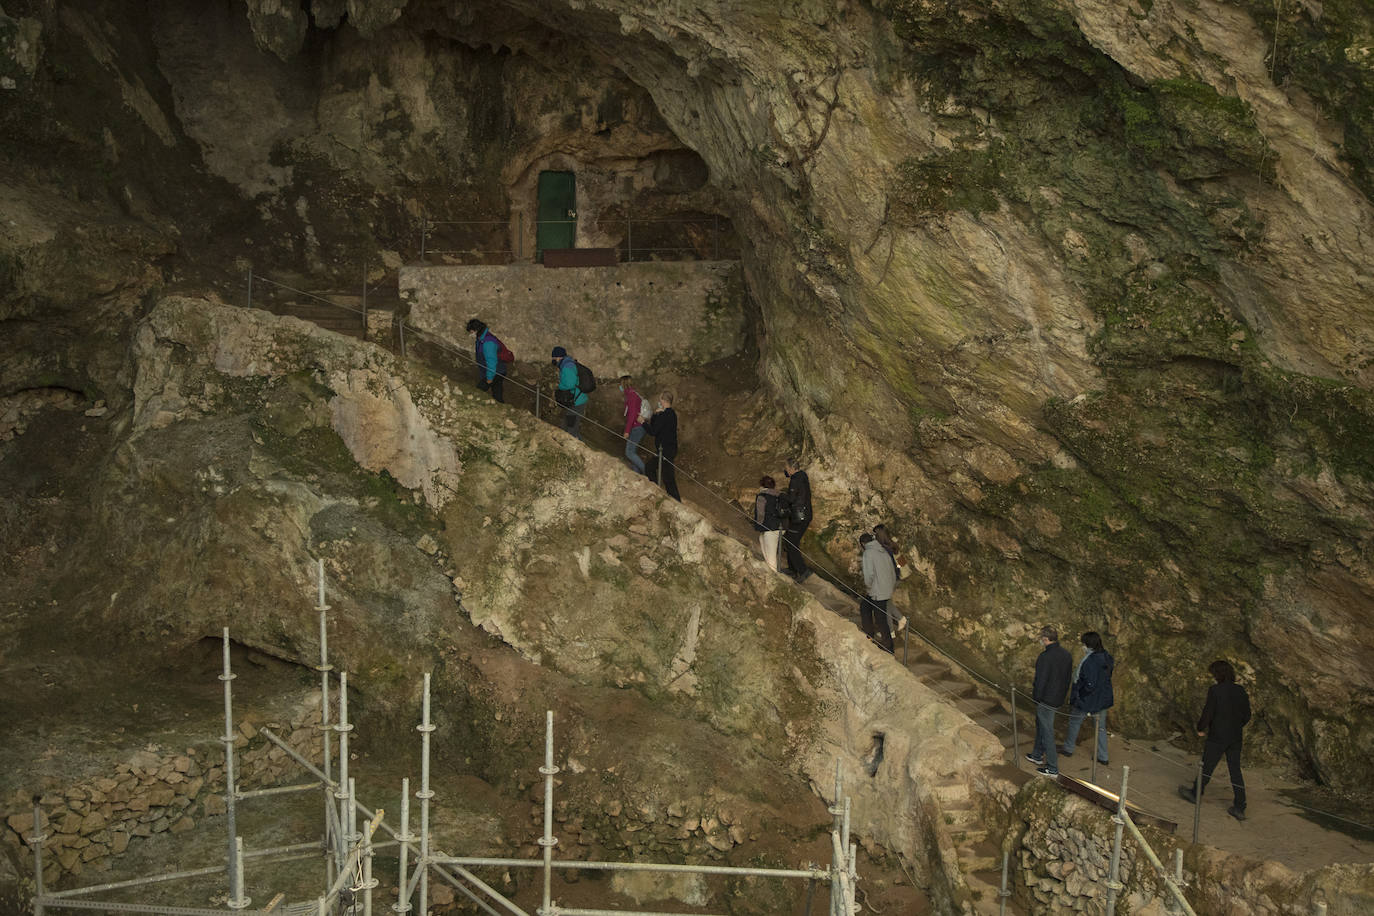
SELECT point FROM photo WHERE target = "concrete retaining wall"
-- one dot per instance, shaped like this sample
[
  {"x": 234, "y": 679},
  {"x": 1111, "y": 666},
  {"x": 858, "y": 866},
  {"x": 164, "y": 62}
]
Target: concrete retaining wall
[{"x": 642, "y": 318}]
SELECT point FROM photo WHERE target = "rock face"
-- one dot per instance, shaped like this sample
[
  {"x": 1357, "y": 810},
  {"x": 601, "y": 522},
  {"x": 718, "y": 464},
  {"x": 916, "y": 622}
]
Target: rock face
[
  {"x": 1077, "y": 292},
  {"x": 245, "y": 423}
]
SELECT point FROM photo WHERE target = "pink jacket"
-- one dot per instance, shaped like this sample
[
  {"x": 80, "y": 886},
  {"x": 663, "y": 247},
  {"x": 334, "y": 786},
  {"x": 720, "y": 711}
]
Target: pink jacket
[{"x": 632, "y": 400}]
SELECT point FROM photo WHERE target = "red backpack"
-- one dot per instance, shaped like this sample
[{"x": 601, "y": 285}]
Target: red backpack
[{"x": 503, "y": 353}]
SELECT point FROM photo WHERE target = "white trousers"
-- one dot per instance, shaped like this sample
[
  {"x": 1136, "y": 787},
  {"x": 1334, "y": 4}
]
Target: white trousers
[{"x": 768, "y": 543}]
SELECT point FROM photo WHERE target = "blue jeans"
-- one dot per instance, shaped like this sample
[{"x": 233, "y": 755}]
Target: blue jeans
[
  {"x": 632, "y": 448},
  {"x": 1076, "y": 718},
  {"x": 1044, "y": 735}
]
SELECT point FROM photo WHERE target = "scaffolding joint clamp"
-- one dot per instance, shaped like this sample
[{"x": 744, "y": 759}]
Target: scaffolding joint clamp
[
  {"x": 227, "y": 677},
  {"x": 548, "y": 842},
  {"x": 549, "y": 771},
  {"x": 241, "y": 904},
  {"x": 426, "y": 729},
  {"x": 322, "y": 607},
  {"x": 343, "y": 729},
  {"x": 424, "y": 794},
  {"x": 323, "y": 668}
]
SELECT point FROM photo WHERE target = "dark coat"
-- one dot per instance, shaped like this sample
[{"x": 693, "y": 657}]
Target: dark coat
[
  {"x": 1092, "y": 692},
  {"x": 1053, "y": 672},
  {"x": 766, "y": 511},
  {"x": 1225, "y": 714},
  {"x": 663, "y": 427},
  {"x": 799, "y": 500}
]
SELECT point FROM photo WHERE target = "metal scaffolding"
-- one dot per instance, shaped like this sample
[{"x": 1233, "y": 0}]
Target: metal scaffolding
[{"x": 348, "y": 850}]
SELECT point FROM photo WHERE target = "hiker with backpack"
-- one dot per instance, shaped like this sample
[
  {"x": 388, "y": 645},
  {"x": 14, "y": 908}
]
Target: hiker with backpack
[
  {"x": 637, "y": 413},
  {"x": 768, "y": 520},
  {"x": 575, "y": 382},
  {"x": 663, "y": 427},
  {"x": 492, "y": 358}
]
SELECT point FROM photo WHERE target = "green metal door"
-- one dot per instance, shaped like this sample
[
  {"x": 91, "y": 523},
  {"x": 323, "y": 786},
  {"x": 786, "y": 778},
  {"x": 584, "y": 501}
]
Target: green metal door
[{"x": 557, "y": 226}]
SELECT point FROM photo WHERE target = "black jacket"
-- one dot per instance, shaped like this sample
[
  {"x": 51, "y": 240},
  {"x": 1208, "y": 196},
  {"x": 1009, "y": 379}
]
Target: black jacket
[
  {"x": 1225, "y": 714},
  {"x": 766, "y": 506},
  {"x": 1053, "y": 672},
  {"x": 663, "y": 427},
  {"x": 1092, "y": 692},
  {"x": 798, "y": 500}
]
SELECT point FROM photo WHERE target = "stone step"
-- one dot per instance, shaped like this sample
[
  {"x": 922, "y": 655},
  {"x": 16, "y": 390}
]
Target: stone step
[
  {"x": 987, "y": 886},
  {"x": 979, "y": 855},
  {"x": 924, "y": 670}
]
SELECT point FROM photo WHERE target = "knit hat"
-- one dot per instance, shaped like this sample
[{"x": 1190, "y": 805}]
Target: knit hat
[{"x": 559, "y": 352}]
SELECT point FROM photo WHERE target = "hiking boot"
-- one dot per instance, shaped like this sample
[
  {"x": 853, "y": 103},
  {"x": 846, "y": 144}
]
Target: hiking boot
[
  {"x": 1038, "y": 761},
  {"x": 1067, "y": 752},
  {"x": 1048, "y": 771},
  {"x": 1188, "y": 794},
  {"x": 1237, "y": 813},
  {"x": 803, "y": 577}
]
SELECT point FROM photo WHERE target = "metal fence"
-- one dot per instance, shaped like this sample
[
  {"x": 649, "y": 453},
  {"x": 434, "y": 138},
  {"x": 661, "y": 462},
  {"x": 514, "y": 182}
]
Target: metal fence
[{"x": 502, "y": 241}]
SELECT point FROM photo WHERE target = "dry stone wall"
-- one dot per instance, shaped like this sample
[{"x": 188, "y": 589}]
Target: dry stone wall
[
  {"x": 153, "y": 790},
  {"x": 1061, "y": 847}
]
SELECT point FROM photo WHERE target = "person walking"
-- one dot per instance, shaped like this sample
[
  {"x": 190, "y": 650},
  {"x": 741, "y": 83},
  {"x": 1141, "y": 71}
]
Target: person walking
[
  {"x": 569, "y": 396},
  {"x": 797, "y": 519},
  {"x": 1053, "y": 670},
  {"x": 1222, "y": 723},
  {"x": 663, "y": 427},
  {"x": 1091, "y": 694},
  {"x": 491, "y": 368},
  {"x": 880, "y": 578},
  {"x": 899, "y": 566},
  {"x": 768, "y": 520},
  {"x": 636, "y": 412}
]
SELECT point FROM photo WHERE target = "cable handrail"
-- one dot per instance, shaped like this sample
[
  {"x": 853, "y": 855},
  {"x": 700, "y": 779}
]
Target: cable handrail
[{"x": 434, "y": 340}]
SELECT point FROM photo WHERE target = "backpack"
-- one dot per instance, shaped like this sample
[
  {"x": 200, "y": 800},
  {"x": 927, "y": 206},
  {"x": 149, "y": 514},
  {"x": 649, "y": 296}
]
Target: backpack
[
  {"x": 646, "y": 411},
  {"x": 586, "y": 381},
  {"x": 503, "y": 353}
]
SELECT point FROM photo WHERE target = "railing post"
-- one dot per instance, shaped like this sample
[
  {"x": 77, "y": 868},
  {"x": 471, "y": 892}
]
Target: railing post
[
  {"x": 660, "y": 465},
  {"x": 425, "y": 794},
  {"x": 424, "y": 230},
  {"x": 364, "y": 301},
  {"x": 250, "y": 287},
  {"x": 520, "y": 236},
  {"x": 629, "y": 240},
  {"x": 548, "y": 841},
  {"x": 1015, "y": 732},
  {"x": 715, "y": 236},
  {"x": 1197, "y": 802},
  {"x": 1003, "y": 893},
  {"x": 1113, "y": 875},
  {"x": 1172, "y": 904},
  {"x": 402, "y": 904},
  {"x": 401, "y": 332}
]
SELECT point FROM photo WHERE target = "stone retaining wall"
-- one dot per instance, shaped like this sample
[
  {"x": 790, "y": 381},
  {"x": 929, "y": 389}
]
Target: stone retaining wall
[
  {"x": 645, "y": 319},
  {"x": 1061, "y": 846},
  {"x": 153, "y": 790}
]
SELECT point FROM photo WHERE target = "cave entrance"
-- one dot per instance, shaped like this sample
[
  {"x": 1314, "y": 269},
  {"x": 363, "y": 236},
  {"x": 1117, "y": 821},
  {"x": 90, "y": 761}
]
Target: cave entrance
[{"x": 556, "y": 225}]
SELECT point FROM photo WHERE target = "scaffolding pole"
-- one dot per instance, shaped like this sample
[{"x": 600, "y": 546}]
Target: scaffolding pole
[
  {"x": 236, "y": 899},
  {"x": 548, "y": 840},
  {"x": 425, "y": 794},
  {"x": 330, "y": 859},
  {"x": 402, "y": 904}
]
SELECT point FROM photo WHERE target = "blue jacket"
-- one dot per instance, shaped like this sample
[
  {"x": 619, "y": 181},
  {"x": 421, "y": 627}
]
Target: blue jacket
[
  {"x": 1092, "y": 692},
  {"x": 486, "y": 354},
  {"x": 567, "y": 380}
]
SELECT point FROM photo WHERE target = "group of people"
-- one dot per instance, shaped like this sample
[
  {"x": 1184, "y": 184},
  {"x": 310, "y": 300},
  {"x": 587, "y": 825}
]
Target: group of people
[
  {"x": 571, "y": 392},
  {"x": 781, "y": 517},
  {"x": 1088, "y": 688}
]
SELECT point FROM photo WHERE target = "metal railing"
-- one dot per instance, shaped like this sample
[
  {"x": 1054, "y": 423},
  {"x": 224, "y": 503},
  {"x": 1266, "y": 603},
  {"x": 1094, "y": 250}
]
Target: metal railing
[
  {"x": 678, "y": 238},
  {"x": 542, "y": 405}
]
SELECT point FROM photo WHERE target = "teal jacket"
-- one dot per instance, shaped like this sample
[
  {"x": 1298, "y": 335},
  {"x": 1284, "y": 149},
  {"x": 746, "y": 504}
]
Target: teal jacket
[{"x": 567, "y": 380}]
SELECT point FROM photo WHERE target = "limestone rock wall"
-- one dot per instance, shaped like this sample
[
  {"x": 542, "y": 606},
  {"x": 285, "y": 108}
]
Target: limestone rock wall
[{"x": 644, "y": 319}]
